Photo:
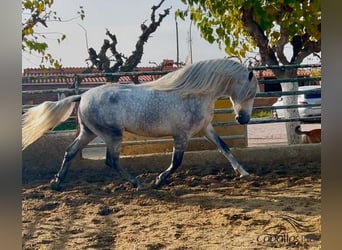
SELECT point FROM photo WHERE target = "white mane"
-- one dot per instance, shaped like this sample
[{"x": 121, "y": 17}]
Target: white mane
[{"x": 201, "y": 77}]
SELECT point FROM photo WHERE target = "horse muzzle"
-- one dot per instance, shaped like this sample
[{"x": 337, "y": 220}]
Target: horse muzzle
[{"x": 242, "y": 117}]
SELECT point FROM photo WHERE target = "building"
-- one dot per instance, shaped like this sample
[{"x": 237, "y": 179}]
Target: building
[{"x": 51, "y": 78}]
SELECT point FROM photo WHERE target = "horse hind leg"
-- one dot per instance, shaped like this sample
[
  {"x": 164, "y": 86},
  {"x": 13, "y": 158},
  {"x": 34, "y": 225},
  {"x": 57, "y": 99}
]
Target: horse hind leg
[{"x": 81, "y": 140}]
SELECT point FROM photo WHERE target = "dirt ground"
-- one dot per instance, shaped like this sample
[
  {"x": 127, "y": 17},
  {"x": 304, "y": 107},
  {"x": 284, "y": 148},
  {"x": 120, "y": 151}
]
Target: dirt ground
[{"x": 278, "y": 208}]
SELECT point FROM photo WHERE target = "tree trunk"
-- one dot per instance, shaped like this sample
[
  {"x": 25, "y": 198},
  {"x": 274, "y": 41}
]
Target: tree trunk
[{"x": 292, "y": 137}]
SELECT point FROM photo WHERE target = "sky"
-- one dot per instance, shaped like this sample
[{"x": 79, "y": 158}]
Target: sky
[{"x": 122, "y": 18}]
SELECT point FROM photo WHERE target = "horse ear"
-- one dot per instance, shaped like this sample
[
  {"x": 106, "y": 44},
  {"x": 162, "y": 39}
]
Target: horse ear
[{"x": 250, "y": 76}]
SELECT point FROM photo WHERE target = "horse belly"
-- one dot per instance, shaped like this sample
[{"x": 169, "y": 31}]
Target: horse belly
[
  {"x": 170, "y": 124},
  {"x": 149, "y": 123}
]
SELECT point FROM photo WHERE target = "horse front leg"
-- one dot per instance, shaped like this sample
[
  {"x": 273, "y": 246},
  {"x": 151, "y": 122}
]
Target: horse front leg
[
  {"x": 177, "y": 157},
  {"x": 223, "y": 148}
]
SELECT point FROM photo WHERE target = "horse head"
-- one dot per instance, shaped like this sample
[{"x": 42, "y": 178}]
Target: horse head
[{"x": 242, "y": 97}]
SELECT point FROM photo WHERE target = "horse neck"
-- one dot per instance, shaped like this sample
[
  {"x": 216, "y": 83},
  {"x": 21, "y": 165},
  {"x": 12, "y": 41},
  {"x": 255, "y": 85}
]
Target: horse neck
[{"x": 227, "y": 91}]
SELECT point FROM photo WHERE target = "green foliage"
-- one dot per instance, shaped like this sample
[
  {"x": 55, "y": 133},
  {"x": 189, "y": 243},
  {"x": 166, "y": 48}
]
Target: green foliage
[
  {"x": 65, "y": 126},
  {"x": 221, "y": 21},
  {"x": 39, "y": 12},
  {"x": 261, "y": 114}
]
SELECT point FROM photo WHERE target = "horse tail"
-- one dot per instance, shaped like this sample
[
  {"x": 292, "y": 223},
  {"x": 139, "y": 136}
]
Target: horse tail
[{"x": 45, "y": 116}]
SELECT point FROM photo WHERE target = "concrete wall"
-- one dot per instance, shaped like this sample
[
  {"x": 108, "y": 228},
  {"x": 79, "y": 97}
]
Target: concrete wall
[{"x": 45, "y": 156}]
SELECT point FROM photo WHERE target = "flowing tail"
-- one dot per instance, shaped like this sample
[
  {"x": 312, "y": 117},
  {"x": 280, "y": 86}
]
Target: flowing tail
[{"x": 40, "y": 119}]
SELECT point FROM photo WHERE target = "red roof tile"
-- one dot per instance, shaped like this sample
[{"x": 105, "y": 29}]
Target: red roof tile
[{"x": 67, "y": 75}]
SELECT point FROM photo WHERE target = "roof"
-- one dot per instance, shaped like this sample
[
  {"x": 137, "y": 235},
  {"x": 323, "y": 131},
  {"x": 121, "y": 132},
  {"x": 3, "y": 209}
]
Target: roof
[{"x": 67, "y": 74}]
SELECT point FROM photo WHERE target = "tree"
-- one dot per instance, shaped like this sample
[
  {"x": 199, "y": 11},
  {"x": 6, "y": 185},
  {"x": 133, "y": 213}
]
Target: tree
[
  {"x": 270, "y": 25},
  {"x": 123, "y": 63},
  {"x": 37, "y": 13}
]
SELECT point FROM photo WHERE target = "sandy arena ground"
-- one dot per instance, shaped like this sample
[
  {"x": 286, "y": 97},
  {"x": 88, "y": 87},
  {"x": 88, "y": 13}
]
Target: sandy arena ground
[{"x": 279, "y": 207}]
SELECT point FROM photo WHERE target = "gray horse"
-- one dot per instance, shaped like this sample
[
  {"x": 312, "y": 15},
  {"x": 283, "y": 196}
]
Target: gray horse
[{"x": 178, "y": 104}]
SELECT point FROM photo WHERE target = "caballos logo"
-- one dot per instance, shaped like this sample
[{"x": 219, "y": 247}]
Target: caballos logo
[
  {"x": 288, "y": 231},
  {"x": 281, "y": 238}
]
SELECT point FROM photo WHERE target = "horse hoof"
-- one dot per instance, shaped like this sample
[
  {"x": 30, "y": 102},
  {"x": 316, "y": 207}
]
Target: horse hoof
[
  {"x": 54, "y": 185},
  {"x": 246, "y": 177},
  {"x": 243, "y": 175},
  {"x": 156, "y": 184},
  {"x": 139, "y": 187},
  {"x": 136, "y": 184}
]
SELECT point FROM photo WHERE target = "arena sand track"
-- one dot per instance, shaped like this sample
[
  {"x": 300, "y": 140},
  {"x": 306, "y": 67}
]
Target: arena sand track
[{"x": 278, "y": 208}]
